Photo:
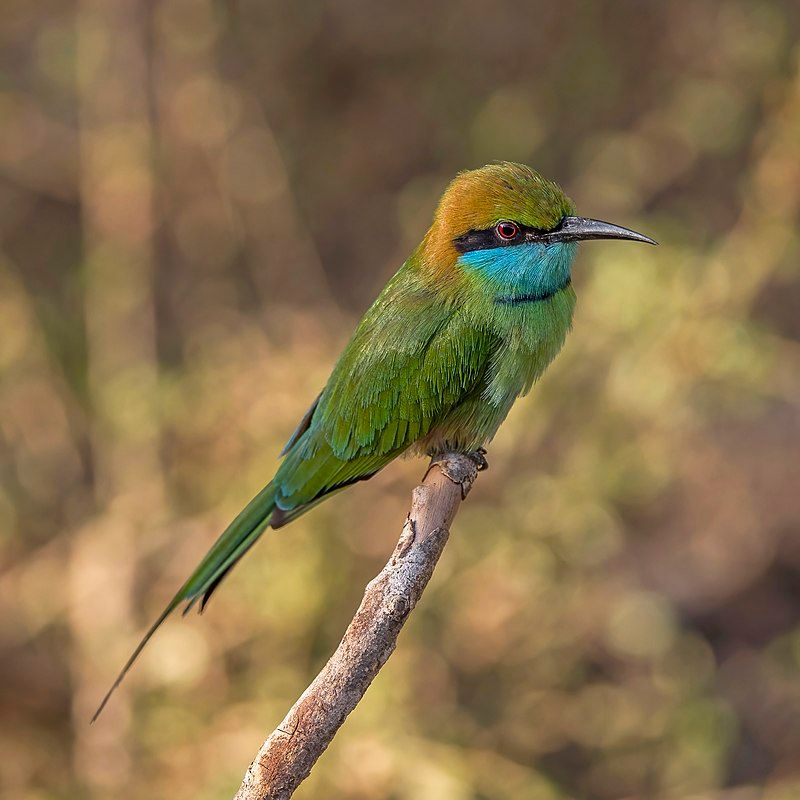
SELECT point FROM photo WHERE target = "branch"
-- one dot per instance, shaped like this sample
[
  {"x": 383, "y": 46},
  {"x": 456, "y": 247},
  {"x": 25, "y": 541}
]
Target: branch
[{"x": 291, "y": 750}]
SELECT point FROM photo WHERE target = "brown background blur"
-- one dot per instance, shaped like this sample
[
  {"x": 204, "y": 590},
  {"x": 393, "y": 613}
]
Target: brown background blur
[{"x": 197, "y": 202}]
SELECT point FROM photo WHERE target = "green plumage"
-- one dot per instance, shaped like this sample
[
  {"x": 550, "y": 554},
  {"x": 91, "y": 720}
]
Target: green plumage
[{"x": 462, "y": 329}]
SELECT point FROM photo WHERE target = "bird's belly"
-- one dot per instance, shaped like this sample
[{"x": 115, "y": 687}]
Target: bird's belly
[{"x": 467, "y": 427}]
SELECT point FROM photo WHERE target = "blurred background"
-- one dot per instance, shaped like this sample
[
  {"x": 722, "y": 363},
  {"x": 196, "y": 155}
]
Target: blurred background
[{"x": 199, "y": 199}]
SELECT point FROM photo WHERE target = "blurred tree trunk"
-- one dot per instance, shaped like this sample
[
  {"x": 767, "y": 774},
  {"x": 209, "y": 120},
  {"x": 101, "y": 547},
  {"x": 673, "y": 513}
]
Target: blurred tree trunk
[{"x": 116, "y": 193}]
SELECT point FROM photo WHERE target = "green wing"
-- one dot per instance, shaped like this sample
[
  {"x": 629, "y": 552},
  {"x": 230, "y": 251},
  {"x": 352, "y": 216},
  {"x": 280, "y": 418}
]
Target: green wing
[{"x": 412, "y": 359}]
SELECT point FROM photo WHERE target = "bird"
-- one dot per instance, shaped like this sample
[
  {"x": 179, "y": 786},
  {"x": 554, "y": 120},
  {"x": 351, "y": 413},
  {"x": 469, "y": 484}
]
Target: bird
[{"x": 467, "y": 325}]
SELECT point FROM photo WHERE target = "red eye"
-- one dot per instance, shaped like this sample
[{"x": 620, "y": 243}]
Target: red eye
[{"x": 507, "y": 230}]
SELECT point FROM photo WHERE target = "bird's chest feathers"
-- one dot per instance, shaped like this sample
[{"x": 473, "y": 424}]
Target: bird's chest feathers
[
  {"x": 529, "y": 300},
  {"x": 531, "y": 336}
]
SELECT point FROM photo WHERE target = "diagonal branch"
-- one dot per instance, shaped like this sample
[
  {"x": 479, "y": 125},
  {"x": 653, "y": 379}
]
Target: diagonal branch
[{"x": 291, "y": 750}]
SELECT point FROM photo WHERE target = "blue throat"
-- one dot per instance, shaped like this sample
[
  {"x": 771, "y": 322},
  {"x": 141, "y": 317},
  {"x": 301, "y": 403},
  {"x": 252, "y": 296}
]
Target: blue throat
[{"x": 523, "y": 273}]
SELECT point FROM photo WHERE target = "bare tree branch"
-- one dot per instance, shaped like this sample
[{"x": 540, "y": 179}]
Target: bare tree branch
[{"x": 291, "y": 750}]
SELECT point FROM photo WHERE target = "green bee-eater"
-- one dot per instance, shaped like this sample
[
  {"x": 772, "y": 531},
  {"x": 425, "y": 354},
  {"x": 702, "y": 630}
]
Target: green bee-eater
[{"x": 463, "y": 329}]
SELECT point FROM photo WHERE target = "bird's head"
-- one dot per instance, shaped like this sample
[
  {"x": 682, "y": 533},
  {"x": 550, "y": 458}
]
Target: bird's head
[{"x": 513, "y": 230}]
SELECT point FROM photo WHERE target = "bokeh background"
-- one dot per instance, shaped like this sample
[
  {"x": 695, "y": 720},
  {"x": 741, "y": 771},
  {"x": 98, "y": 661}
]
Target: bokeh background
[{"x": 198, "y": 200}]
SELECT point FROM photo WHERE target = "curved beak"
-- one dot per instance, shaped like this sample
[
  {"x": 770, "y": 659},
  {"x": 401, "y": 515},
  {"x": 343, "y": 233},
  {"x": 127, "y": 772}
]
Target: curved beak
[{"x": 579, "y": 229}]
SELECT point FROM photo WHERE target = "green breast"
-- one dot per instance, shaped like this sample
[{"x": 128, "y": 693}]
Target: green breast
[{"x": 530, "y": 335}]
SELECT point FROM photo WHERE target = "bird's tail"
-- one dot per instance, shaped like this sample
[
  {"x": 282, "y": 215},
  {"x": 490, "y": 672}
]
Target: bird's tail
[{"x": 234, "y": 542}]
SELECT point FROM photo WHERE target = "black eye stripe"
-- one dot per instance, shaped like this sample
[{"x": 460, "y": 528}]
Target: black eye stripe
[{"x": 487, "y": 238}]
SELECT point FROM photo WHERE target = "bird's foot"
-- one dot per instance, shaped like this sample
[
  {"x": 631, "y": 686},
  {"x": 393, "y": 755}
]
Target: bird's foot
[
  {"x": 461, "y": 468},
  {"x": 478, "y": 457}
]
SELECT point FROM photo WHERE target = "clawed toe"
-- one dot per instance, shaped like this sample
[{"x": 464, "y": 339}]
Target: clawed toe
[
  {"x": 461, "y": 468},
  {"x": 478, "y": 457}
]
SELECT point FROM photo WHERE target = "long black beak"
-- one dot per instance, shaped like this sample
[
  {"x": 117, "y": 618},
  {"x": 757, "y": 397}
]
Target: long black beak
[{"x": 579, "y": 229}]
